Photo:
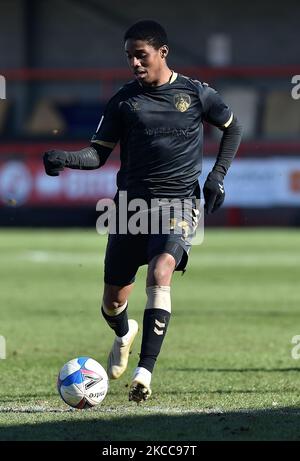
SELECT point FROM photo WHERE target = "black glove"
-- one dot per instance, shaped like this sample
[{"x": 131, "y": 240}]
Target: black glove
[
  {"x": 55, "y": 161},
  {"x": 213, "y": 191}
]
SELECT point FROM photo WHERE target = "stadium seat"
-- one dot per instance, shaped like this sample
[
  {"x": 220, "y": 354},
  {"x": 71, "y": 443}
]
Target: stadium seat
[
  {"x": 281, "y": 115},
  {"x": 243, "y": 102},
  {"x": 45, "y": 120},
  {"x": 67, "y": 118},
  {"x": 81, "y": 117},
  {"x": 4, "y": 110}
]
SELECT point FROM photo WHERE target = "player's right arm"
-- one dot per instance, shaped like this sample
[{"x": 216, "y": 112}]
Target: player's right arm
[{"x": 94, "y": 156}]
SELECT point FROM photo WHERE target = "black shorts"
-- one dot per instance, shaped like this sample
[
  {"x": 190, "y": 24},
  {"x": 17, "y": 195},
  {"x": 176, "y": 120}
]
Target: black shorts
[{"x": 125, "y": 253}]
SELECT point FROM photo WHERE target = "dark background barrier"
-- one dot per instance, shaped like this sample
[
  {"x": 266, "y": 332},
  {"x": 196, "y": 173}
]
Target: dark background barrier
[{"x": 62, "y": 60}]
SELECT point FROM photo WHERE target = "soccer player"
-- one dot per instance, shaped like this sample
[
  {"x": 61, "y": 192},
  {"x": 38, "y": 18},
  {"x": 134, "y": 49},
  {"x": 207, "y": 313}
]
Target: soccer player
[{"x": 158, "y": 120}]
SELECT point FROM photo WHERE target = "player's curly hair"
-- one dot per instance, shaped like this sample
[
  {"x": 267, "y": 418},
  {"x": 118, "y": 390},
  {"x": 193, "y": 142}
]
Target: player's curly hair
[{"x": 149, "y": 31}]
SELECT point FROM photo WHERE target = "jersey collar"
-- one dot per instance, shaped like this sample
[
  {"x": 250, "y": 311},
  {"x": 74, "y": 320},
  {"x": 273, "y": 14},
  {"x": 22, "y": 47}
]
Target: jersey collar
[{"x": 172, "y": 79}]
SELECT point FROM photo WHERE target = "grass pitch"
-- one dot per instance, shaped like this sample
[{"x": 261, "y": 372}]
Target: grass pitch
[{"x": 225, "y": 371}]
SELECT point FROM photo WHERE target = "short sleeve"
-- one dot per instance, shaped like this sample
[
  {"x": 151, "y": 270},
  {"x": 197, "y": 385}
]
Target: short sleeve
[
  {"x": 108, "y": 130},
  {"x": 215, "y": 111}
]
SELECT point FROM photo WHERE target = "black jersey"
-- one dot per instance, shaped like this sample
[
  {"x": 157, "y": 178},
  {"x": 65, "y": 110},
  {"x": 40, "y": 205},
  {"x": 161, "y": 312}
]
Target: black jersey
[{"x": 160, "y": 130}]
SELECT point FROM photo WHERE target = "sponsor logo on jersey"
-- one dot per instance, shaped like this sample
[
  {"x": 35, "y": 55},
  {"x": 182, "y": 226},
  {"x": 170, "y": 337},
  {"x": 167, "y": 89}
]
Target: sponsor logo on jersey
[{"x": 176, "y": 132}]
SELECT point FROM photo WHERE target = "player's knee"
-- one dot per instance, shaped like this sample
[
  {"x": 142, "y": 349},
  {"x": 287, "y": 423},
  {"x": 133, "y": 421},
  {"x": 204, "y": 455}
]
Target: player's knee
[
  {"x": 160, "y": 274},
  {"x": 162, "y": 270},
  {"x": 113, "y": 301}
]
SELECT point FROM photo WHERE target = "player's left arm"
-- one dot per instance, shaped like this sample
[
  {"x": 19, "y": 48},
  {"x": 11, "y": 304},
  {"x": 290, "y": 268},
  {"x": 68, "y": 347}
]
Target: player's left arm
[{"x": 220, "y": 115}]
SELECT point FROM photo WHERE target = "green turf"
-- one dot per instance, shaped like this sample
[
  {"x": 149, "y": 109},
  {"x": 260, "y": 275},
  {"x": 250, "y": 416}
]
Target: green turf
[{"x": 225, "y": 371}]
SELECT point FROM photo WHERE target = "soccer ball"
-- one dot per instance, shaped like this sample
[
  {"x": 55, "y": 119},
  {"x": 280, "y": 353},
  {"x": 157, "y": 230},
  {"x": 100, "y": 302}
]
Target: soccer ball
[{"x": 82, "y": 383}]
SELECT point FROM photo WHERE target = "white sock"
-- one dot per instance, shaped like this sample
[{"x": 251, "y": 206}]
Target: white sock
[
  {"x": 159, "y": 297},
  {"x": 144, "y": 373},
  {"x": 124, "y": 339}
]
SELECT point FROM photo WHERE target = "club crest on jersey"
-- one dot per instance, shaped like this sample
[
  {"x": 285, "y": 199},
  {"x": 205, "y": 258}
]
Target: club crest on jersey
[
  {"x": 182, "y": 101},
  {"x": 134, "y": 105}
]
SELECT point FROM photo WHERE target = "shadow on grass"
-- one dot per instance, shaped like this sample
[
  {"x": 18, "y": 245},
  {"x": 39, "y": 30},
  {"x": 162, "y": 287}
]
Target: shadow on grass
[{"x": 270, "y": 424}]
